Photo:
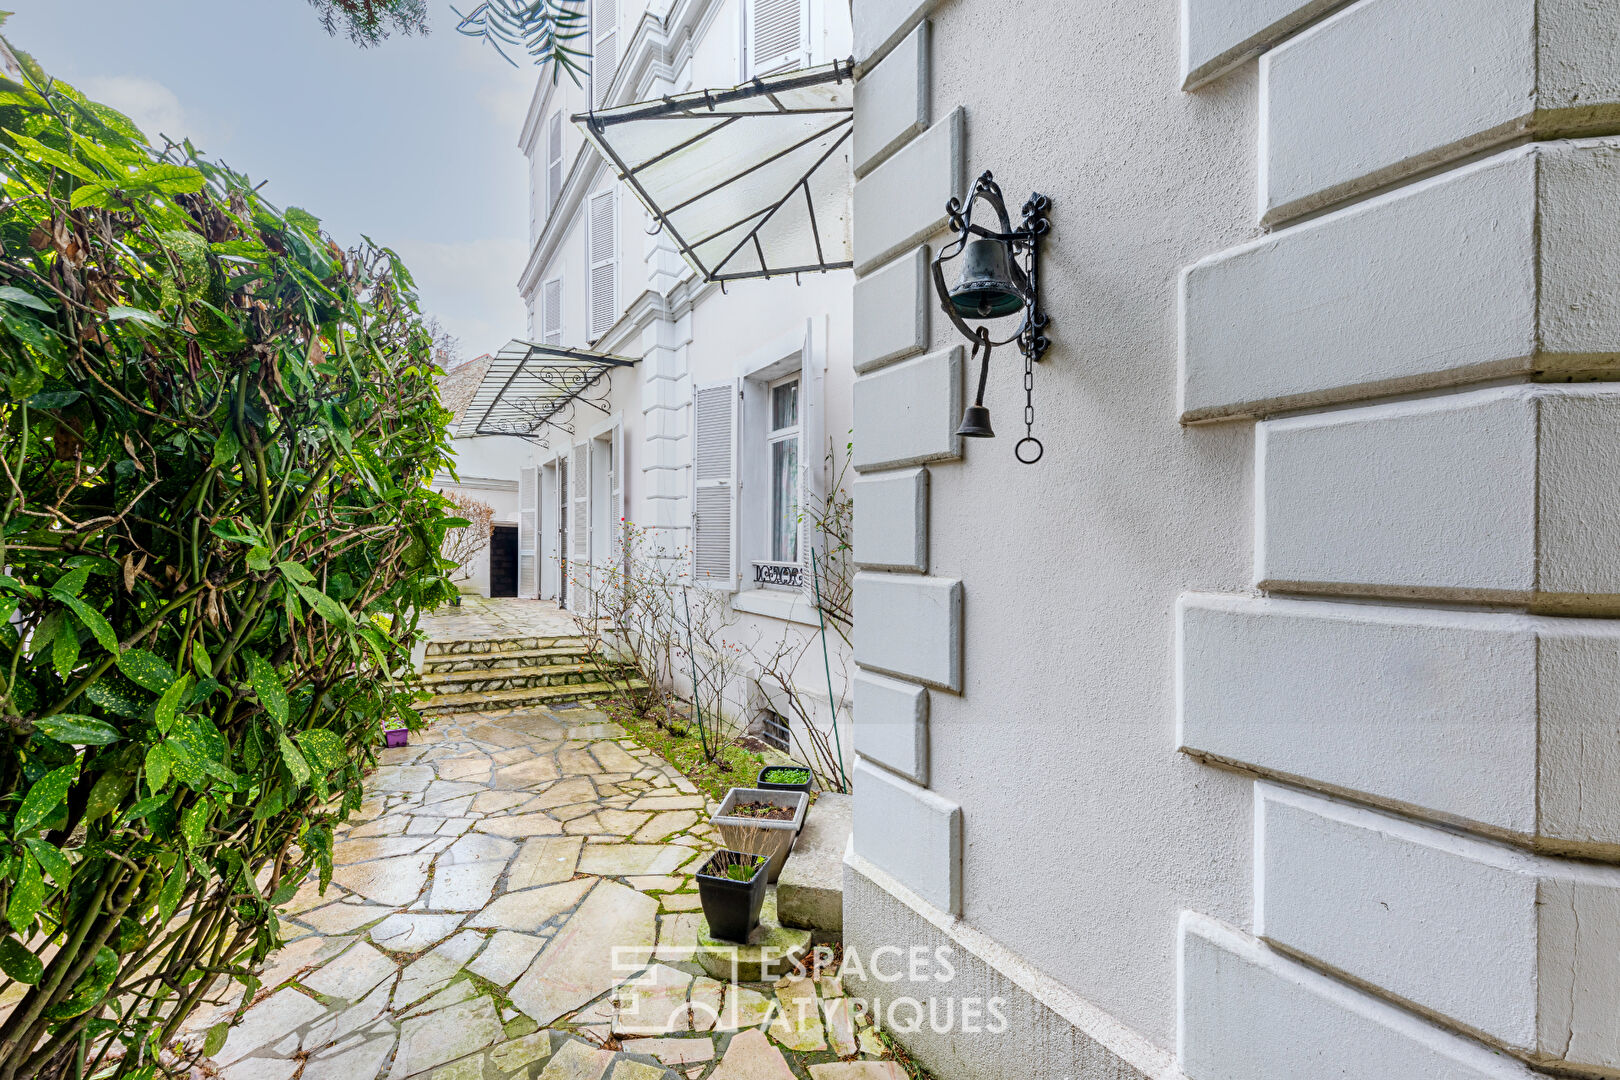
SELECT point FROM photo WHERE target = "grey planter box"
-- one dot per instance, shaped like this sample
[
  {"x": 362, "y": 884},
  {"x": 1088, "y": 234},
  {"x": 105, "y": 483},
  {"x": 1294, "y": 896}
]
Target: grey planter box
[{"x": 778, "y": 835}]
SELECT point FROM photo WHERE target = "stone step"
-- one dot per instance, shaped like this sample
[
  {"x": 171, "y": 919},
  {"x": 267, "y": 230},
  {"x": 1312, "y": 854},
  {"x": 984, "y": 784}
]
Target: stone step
[
  {"x": 525, "y": 696},
  {"x": 810, "y": 890},
  {"x": 571, "y": 652},
  {"x": 485, "y": 681},
  {"x": 772, "y": 950},
  {"x": 482, "y": 646}
]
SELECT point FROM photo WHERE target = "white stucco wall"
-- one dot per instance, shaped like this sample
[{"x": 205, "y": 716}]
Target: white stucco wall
[
  {"x": 1084, "y": 835},
  {"x": 1066, "y": 766}
]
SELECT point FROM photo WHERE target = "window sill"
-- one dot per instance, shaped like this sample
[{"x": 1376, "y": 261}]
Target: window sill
[{"x": 782, "y": 604}]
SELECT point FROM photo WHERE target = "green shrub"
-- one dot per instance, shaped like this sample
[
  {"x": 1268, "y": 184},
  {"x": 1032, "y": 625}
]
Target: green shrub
[{"x": 215, "y": 432}]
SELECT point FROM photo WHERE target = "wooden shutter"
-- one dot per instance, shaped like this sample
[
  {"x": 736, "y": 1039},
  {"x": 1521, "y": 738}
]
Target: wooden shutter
[
  {"x": 564, "y": 501},
  {"x": 604, "y": 270},
  {"x": 551, "y": 312},
  {"x": 579, "y": 474},
  {"x": 604, "y": 49},
  {"x": 777, "y": 35},
  {"x": 616, "y": 478},
  {"x": 528, "y": 510},
  {"x": 714, "y": 484},
  {"x": 554, "y": 161}
]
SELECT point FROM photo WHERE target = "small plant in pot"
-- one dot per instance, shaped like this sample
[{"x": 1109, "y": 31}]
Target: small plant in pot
[
  {"x": 731, "y": 887},
  {"x": 784, "y": 778},
  {"x": 760, "y": 821}
]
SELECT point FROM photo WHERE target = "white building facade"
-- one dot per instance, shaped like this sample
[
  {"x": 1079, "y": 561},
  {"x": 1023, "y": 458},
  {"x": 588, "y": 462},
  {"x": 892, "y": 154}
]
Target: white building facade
[
  {"x": 1265, "y": 729},
  {"x": 735, "y": 414}
]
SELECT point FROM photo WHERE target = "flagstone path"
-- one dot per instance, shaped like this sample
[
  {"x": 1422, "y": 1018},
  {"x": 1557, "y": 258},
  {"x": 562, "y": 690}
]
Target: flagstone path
[
  {"x": 515, "y": 898},
  {"x": 479, "y": 617}
]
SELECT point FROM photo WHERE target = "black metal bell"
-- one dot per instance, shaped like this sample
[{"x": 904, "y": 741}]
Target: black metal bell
[
  {"x": 986, "y": 289},
  {"x": 976, "y": 423}
]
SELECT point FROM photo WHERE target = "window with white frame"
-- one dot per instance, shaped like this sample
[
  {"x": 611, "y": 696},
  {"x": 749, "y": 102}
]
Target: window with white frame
[
  {"x": 776, "y": 36},
  {"x": 753, "y": 440},
  {"x": 783, "y": 449}
]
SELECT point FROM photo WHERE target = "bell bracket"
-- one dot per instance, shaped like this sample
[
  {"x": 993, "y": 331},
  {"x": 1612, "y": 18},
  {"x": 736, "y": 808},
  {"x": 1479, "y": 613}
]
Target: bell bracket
[
  {"x": 1023, "y": 270},
  {"x": 1024, "y": 247}
]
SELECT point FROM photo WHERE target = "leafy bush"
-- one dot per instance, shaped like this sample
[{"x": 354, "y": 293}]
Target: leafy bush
[{"x": 215, "y": 432}]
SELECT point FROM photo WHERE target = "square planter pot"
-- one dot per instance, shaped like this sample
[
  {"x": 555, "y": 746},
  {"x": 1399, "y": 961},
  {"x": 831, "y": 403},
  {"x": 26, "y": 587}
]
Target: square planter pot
[
  {"x": 396, "y": 737},
  {"x": 767, "y": 785},
  {"x": 778, "y": 836},
  {"x": 731, "y": 907}
]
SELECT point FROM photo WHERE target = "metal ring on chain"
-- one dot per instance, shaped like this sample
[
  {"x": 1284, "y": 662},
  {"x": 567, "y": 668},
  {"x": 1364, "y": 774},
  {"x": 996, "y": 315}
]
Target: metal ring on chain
[{"x": 1018, "y": 450}]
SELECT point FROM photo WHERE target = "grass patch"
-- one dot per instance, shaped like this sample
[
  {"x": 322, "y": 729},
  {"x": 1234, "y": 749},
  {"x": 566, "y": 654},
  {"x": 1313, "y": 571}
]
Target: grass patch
[
  {"x": 678, "y": 744},
  {"x": 913, "y": 1070},
  {"x": 490, "y": 990}
]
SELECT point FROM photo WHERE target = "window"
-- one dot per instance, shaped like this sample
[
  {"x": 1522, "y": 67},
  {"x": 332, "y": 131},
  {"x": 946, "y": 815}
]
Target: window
[
  {"x": 783, "y": 441},
  {"x": 773, "y": 729},
  {"x": 554, "y": 162},
  {"x": 776, "y": 35}
]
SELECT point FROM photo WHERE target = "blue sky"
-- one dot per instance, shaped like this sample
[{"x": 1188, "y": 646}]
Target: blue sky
[{"x": 412, "y": 142}]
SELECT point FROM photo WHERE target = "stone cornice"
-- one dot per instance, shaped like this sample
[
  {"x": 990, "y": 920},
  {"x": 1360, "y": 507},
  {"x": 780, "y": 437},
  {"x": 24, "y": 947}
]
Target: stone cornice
[{"x": 652, "y": 307}]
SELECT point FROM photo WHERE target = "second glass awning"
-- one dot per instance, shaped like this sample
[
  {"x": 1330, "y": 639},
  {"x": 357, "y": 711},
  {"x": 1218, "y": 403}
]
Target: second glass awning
[
  {"x": 749, "y": 182},
  {"x": 529, "y": 387}
]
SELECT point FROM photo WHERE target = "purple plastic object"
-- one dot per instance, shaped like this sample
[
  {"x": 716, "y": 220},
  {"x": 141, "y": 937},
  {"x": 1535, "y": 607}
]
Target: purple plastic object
[{"x": 396, "y": 737}]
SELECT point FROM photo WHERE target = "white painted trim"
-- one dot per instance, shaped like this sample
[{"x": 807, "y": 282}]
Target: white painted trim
[
  {"x": 1113, "y": 1035},
  {"x": 788, "y": 348},
  {"x": 781, "y": 604},
  {"x": 603, "y": 426}
]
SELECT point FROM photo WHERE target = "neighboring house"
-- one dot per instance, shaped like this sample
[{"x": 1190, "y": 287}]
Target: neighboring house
[
  {"x": 753, "y": 379},
  {"x": 1267, "y": 728},
  {"x": 486, "y": 470}
]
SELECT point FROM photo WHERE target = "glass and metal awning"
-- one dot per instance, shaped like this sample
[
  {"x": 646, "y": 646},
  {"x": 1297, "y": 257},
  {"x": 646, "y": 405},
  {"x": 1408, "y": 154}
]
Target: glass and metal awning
[
  {"x": 529, "y": 387},
  {"x": 749, "y": 182}
]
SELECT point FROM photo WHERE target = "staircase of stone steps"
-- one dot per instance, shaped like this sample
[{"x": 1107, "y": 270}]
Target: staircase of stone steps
[{"x": 481, "y": 674}]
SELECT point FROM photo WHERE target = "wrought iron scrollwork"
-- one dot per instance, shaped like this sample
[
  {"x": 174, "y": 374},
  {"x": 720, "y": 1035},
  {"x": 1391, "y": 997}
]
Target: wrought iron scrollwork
[{"x": 1023, "y": 245}]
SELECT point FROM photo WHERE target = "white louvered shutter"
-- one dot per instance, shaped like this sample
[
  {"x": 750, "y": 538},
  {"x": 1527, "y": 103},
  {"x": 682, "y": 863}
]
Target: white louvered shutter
[
  {"x": 616, "y": 479},
  {"x": 604, "y": 49},
  {"x": 554, "y": 161},
  {"x": 564, "y": 501},
  {"x": 778, "y": 35},
  {"x": 551, "y": 312},
  {"x": 714, "y": 484},
  {"x": 579, "y": 474},
  {"x": 604, "y": 269},
  {"x": 528, "y": 507}
]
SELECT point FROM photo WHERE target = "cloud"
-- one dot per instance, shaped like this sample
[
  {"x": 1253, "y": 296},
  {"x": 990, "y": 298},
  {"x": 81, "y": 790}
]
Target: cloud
[
  {"x": 503, "y": 91},
  {"x": 471, "y": 287},
  {"x": 154, "y": 107}
]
